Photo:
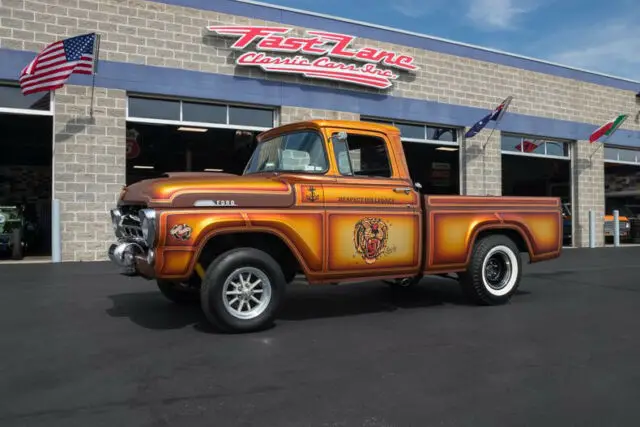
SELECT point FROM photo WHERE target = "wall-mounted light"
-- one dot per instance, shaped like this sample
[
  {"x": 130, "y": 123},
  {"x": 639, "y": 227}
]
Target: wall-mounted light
[
  {"x": 142, "y": 167},
  {"x": 190, "y": 129},
  {"x": 447, "y": 148}
]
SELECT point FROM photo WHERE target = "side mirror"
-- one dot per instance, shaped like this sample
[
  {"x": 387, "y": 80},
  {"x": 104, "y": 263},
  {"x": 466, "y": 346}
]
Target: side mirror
[{"x": 417, "y": 185}]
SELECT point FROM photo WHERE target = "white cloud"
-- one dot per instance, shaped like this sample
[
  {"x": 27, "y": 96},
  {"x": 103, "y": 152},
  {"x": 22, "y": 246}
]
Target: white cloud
[
  {"x": 612, "y": 47},
  {"x": 497, "y": 14},
  {"x": 414, "y": 8}
]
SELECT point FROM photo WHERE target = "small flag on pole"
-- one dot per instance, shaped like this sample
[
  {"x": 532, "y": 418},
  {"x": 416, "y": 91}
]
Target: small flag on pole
[
  {"x": 495, "y": 115},
  {"x": 51, "y": 68},
  {"x": 608, "y": 128}
]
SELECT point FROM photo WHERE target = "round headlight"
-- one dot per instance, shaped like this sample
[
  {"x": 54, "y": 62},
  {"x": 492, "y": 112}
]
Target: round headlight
[{"x": 148, "y": 225}]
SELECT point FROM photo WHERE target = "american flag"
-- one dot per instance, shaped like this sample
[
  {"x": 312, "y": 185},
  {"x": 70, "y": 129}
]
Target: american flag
[{"x": 51, "y": 69}]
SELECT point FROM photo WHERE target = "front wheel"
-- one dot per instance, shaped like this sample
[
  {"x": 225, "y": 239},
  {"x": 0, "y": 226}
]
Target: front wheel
[
  {"x": 242, "y": 290},
  {"x": 494, "y": 271}
]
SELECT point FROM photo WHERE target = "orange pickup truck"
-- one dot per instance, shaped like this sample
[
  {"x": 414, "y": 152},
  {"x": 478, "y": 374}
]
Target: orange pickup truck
[{"x": 332, "y": 200}]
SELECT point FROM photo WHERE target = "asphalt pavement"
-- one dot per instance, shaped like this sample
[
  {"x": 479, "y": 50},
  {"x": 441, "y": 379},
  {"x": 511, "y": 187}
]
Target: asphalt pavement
[{"x": 83, "y": 346}]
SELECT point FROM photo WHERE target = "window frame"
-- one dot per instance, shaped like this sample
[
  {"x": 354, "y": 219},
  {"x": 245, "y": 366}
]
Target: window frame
[
  {"x": 209, "y": 125},
  {"x": 323, "y": 143},
  {"x": 537, "y": 138},
  {"x": 28, "y": 111},
  {"x": 365, "y": 134}
]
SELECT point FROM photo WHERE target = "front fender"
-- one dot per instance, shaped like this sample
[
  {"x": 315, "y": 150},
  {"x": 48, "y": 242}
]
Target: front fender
[{"x": 177, "y": 253}]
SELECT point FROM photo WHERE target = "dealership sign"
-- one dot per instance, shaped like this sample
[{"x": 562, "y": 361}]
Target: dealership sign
[{"x": 329, "y": 49}]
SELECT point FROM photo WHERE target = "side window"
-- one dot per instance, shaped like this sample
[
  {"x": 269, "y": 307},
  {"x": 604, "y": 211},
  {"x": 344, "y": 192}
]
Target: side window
[{"x": 363, "y": 155}]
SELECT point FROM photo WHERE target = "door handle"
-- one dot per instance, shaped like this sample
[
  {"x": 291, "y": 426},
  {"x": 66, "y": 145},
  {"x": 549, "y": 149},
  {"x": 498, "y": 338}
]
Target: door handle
[{"x": 405, "y": 190}]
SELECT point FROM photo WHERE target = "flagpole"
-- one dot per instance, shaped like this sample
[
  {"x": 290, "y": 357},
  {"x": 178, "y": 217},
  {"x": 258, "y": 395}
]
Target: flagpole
[{"x": 96, "y": 53}]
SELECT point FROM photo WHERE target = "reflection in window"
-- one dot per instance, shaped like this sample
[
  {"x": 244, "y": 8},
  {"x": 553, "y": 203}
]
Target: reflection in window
[
  {"x": 528, "y": 145},
  {"x": 154, "y": 108},
  {"x": 557, "y": 148},
  {"x": 627, "y": 155},
  {"x": 420, "y": 131},
  {"x": 12, "y": 97},
  {"x": 442, "y": 134},
  {"x": 411, "y": 131},
  {"x": 204, "y": 113},
  {"x": 511, "y": 143},
  {"x": 243, "y": 116},
  {"x": 367, "y": 156},
  {"x": 610, "y": 153},
  {"x": 294, "y": 152}
]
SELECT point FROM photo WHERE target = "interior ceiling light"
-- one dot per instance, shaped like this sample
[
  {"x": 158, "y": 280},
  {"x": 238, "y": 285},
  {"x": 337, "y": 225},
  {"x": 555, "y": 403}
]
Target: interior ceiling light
[
  {"x": 142, "y": 167},
  {"x": 447, "y": 148},
  {"x": 213, "y": 170},
  {"x": 190, "y": 129}
]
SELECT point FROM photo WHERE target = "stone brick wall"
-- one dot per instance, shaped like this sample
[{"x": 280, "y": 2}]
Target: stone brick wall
[
  {"x": 482, "y": 164},
  {"x": 89, "y": 168},
  {"x": 588, "y": 178},
  {"x": 295, "y": 114},
  {"x": 153, "y": 33}
]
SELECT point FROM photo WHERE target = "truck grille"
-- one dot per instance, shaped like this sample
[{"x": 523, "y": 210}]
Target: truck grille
[{"x": 130, "y": 227}]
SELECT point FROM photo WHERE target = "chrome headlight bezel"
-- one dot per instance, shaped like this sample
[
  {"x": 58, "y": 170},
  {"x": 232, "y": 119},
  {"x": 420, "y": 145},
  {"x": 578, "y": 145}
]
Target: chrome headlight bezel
[
  {"x": 116, "y": 220},
  {"x": 148, "y": 226}
]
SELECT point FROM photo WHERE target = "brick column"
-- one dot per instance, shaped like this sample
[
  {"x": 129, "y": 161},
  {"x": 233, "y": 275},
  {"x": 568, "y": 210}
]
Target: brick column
[
  {"x": 482, "y": 164},
  {"x": 89, "y": 167},
  {"x": 588, "y": 181},
  {"x": 296, "y": 114}
]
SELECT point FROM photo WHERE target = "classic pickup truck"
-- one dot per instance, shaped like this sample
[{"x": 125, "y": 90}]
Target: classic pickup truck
[{"x": 332, "y": 200}]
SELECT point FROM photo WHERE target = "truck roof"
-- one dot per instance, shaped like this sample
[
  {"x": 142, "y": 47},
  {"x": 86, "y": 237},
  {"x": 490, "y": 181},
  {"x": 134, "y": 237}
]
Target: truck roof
[{"x": 322, "y": 123}]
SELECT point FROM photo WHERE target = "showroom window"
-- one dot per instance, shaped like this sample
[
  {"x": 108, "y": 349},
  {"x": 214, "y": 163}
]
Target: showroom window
[
  {"x": 13, "y": 101},
  {"x": 178, "y": 135},
  {"x": 154, "y": 110},
  {"x": 418, "y": 132},
  {"x": 531, "y": 146},
  {"x": 621, "y": 155}
]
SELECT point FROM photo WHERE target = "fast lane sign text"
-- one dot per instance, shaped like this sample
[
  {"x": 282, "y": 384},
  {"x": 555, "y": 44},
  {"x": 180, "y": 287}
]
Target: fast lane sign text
[{"x": 323, "y": 44}]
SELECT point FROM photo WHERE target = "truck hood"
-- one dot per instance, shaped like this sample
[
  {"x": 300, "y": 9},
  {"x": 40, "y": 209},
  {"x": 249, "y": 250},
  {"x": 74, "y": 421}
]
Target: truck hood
[{"x": 209, "y": 189}]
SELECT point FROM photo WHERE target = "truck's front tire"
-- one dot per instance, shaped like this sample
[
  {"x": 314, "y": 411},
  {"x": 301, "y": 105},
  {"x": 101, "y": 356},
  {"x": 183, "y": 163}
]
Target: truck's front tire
[
  {"x": 494, "y": 271},
  {"x": 242, "y": 290}
]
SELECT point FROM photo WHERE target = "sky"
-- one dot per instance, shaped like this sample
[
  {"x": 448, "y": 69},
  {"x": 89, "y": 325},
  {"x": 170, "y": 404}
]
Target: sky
[{"x": 600, "y": 36}]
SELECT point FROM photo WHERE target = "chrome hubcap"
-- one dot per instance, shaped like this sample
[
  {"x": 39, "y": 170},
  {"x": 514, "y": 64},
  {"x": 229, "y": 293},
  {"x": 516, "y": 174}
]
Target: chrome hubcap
[
  {"x": 246, "y": 293},
  {"x": 497, "y": 270}
]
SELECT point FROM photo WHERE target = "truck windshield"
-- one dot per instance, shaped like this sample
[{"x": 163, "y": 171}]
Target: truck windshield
[{"x": 302, "y": 151}]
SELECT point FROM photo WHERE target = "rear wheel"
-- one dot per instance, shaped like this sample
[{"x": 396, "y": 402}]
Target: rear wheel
[
  {"x": 242, "y": 290},
  {"x": 494, "y": 271}
]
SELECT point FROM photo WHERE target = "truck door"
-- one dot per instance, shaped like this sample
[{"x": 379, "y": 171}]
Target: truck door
[{"x": 372, "y": 212}]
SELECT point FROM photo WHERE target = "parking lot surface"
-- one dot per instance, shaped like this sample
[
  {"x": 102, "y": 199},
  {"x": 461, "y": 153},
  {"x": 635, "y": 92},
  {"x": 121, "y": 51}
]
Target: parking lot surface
[{"x": 83, "y": 346}]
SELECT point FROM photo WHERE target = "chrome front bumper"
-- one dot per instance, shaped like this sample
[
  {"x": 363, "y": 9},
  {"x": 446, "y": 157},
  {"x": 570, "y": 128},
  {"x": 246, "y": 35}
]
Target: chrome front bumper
[{"x": 132, "y": 259}]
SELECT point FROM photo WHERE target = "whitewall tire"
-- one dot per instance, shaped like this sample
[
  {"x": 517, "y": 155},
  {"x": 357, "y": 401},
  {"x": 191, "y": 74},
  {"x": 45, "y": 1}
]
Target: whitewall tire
[{"x": 494, "y": 271}]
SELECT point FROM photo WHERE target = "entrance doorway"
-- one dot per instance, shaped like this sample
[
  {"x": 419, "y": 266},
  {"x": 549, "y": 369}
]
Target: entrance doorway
[
  {"x": 537, "y": 167},
  {"x": 166, "y": 135},
  {"x": 26, "y": 124},
  {"x": 622, "y": 193}
]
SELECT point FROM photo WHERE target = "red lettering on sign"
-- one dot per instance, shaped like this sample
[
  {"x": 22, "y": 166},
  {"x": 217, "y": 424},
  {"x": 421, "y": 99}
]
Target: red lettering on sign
[{"x": 325, "y": 44}]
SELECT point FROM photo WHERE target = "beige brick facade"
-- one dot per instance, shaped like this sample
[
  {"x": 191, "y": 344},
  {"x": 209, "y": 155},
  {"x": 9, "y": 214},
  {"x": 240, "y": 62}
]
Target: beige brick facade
[
  {"x": 88, "y": 168},
  {"x": 90, "y": 155},
  {"x": 588, "y": 178}
]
